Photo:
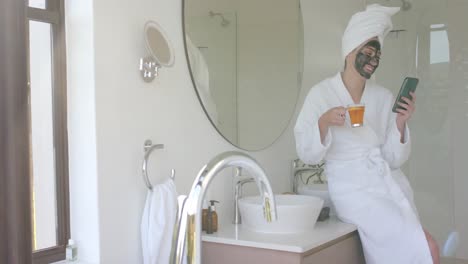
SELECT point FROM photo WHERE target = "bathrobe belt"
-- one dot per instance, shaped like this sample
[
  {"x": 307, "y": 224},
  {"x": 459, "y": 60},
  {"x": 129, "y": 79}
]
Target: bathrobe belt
[
  {"x": 372, "y": 156},
  {"x": 374, "y": 159}
]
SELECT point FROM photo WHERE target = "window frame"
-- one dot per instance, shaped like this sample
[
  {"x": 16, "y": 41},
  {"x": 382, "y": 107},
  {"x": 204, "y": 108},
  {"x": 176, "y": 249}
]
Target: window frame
[{"x": 54, "y": 14}]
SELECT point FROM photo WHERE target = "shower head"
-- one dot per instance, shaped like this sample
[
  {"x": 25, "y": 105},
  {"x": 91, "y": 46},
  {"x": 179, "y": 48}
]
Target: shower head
[
  {"x": 224, "y": 21},
  {"x": 405, "y": 5}
]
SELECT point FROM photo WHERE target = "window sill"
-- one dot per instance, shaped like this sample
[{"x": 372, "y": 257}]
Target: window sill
[{"x": 71, "y": 262}]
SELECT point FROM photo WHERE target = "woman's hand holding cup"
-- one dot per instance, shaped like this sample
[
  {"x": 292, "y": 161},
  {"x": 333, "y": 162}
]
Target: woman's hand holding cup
[{"x": 333, "y": 117}]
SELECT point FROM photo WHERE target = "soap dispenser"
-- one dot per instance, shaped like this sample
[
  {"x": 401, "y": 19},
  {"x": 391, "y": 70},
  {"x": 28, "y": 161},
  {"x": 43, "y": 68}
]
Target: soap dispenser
[
  {"x": 212, "y": 218},
  {"x": 205, "y": 215}
]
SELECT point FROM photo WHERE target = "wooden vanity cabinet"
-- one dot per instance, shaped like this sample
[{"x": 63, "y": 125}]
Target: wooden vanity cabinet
[{"x": 343, "y": 250}]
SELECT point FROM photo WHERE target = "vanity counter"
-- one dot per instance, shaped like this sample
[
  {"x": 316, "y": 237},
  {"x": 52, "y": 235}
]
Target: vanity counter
[{"x": 323, "y": 233}]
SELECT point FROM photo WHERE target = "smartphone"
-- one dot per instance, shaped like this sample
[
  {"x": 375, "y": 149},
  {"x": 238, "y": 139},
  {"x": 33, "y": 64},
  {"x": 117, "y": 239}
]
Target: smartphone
[{"x": 409, "y": 85}]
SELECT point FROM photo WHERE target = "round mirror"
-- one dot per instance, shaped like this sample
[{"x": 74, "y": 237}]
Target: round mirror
[
  {"x": 158, "y": 44},
  {"x": 246, "y": 61}
]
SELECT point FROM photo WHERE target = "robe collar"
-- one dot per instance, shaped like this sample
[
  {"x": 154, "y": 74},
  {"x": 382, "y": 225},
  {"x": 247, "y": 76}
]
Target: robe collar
[
  {"x": 367, "y": 131},
  {"x": 343, "y": 93}
]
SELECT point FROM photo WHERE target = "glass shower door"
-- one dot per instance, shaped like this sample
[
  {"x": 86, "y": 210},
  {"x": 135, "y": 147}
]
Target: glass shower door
[{"x": 428, "y": 42}]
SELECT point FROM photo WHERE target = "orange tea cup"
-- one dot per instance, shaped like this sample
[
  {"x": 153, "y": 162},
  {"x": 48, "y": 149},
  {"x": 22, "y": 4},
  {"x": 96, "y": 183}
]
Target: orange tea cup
[{"x": 356, "y": 114}]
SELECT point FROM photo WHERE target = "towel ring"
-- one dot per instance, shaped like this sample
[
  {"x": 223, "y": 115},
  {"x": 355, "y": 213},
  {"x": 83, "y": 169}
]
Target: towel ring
[{"x": 149, "y": 147}]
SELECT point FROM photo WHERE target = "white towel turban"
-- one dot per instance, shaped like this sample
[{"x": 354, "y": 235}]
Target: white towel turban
[{"x": 374, "y": 22}]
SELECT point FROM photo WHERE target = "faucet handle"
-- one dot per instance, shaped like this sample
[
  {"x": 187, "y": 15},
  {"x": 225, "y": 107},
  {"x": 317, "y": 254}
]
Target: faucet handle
[
  {"x": 240, "y": 175},
  {"x": 267, "y": 210},
  {"x": 237, "y": 172}
]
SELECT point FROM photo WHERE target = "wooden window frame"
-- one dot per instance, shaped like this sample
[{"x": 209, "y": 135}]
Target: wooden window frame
[
  {"x": 15, "y": 213},
  {"x": 54, "y": 14}
]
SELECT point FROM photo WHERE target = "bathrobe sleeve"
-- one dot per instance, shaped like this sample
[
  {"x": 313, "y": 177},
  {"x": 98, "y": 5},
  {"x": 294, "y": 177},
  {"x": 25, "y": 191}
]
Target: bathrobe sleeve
[
  {"x": 309, "y": 146},
  {"x": 395, "y": 152}
]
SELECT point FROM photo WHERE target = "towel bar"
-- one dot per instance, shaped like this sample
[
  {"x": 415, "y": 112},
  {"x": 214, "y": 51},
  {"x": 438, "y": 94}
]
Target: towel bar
[{"x": 149, "y": 147}]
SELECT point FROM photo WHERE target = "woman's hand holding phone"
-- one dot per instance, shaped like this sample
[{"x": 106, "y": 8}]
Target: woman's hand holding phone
[
  {"x": 404, "y": 104},
  {"x": 405, "y": 111}
]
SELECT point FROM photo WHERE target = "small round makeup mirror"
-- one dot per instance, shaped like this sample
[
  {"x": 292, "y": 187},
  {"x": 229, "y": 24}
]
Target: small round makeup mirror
[
  {"x": 160, "y": 50},
  {"x": 158, "y": 45}
]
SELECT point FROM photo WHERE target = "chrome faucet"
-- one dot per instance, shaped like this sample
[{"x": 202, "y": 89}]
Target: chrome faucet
[
  {"x": 317, "y": 170},
  {"x": 239, "y": 182},
  {"x": 186, "y": 244}
]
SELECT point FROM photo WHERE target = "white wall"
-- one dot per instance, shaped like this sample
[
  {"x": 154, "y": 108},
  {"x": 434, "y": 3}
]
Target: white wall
[
  {"x": 112, "y": 112},
  {"x": 84, "y": 207},
  {"x": 322, "y": 38}
]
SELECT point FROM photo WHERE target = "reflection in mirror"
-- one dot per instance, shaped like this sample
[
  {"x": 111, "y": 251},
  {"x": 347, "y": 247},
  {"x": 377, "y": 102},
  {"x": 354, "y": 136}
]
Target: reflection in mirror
[{"x": 246, "y": 65}]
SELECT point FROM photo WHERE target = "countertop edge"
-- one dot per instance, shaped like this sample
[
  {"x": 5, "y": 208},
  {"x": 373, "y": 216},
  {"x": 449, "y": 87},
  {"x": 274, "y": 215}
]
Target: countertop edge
[{"x": 300, "y": 243}]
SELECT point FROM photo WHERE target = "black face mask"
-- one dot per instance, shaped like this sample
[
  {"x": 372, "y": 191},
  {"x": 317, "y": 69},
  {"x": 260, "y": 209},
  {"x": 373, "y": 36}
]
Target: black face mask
[{"x": 368, "y": 55}]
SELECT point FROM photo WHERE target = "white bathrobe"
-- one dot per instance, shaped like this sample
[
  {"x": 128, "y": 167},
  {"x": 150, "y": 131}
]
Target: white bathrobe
[{"x": 362, "y": 166}]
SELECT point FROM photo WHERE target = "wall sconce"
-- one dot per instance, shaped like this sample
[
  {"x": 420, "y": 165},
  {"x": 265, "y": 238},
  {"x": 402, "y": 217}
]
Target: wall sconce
[{"x": 160, "y": 51}]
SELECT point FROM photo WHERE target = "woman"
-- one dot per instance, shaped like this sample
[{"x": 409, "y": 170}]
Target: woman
[{"x": 362, "y": 164}]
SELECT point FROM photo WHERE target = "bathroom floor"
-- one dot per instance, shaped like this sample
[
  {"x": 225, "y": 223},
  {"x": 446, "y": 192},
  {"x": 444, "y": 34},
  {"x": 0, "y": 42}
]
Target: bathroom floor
[{"x": 452, "y": 261}]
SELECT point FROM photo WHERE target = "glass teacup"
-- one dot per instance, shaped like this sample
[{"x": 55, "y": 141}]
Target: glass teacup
[{"x": 356, "y": 114}]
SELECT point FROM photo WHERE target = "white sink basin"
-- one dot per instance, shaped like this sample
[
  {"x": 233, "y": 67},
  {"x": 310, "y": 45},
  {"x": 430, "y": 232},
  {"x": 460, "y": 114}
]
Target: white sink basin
[
  {"x": 296, "y": 214},
  {"x": 318, "y": 190}
]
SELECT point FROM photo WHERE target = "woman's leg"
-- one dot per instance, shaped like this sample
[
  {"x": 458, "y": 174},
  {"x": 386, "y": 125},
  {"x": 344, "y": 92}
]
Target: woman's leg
[{"x": 433, "y": 247}]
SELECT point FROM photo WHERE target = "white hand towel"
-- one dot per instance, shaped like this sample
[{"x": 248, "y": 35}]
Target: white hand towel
[{"x": 157, "y": 223}]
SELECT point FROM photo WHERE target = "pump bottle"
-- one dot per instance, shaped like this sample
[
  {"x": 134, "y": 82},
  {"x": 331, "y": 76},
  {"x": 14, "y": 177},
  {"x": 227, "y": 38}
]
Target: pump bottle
[{"x": 212, "y": 218}]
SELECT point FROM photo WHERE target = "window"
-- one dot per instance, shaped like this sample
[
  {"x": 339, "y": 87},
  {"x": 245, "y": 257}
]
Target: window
[
  {"x": 439, "y": 45},
  {"x": 37, "y": 4},
  {"x": 48, "y": 134}
]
